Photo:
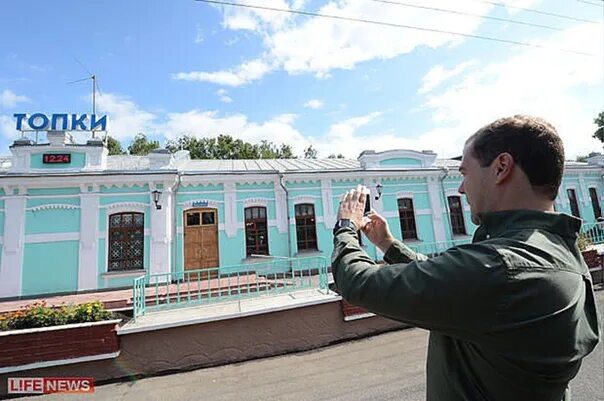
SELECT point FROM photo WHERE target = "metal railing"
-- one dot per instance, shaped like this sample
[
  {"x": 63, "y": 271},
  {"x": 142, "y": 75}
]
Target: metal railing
[
  {"x": 435, "y": 248},
  {"x": 594, "y": 232},
  {"x": 153, "y": 292}
]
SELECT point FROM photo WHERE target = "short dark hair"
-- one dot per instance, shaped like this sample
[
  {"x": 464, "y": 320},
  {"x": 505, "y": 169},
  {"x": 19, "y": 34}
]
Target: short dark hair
[{"x": 533, "y": 143}]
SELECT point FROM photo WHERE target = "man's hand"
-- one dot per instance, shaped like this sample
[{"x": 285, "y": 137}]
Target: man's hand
[
  {"x": 376, "y": 229},
  {"x": 352, "y": 205}
]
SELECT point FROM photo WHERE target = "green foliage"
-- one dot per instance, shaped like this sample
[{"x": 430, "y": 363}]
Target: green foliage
[
  {"x": 583, "y": 242},
  {"x": 114, "y": 146},
  {"x": 141, "y": 146},
  {"x": 227, "y": 147},
  {"x": 599, "y": 121},
  {"x": 310, "y": 152},
  {"x": 40, "y": 315}
]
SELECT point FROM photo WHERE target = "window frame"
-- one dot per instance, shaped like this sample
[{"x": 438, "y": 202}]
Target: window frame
[
  {"x": 458, "y": 223},
  {"x": 406, "y": 233},
  {"x": 135, "y": 262},
  {"x": 595, "y": 202},
  {"x": 309, "y": 225},
  {"x": 573, "y": 202},
  {"x": 256, "y": 249}
]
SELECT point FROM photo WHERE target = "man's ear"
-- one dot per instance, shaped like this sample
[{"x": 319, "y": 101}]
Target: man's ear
[{"x": 503, "y": 166}]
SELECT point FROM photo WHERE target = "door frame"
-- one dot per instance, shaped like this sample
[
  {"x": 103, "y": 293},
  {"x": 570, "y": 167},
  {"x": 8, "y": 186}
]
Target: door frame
[{"x": 184, "y": 230}]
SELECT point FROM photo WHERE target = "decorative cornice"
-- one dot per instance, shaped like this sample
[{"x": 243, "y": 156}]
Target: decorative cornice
[
  {"x": 304, "y": 199},
  {"x": 255, "y": 201},
  {"x": 135, "y": 206},
  {"x": 52, "y": 206}
]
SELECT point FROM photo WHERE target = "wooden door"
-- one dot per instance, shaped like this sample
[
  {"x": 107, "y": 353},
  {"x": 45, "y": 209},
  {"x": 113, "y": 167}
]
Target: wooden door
[{"x": 201, "y": 239}]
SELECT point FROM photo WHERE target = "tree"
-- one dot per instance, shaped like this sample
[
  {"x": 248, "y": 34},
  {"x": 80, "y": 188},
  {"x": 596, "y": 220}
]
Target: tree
[
  {"x": 334, "y": 156},
  {"x": 599, "y": 121},
  {"x": 227, "y": 147},
  {"x": 141, "y": 146},
  {"x": 114, "y": 146},
  {"x": 310, "y": 152}
]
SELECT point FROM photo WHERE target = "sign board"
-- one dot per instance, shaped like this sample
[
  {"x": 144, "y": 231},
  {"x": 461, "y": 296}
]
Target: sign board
[
  {"x": 56, "y": 158},
  {"x": 60, "y": 122}
]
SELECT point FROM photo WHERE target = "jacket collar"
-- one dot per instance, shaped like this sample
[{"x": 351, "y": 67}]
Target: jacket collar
[{"x": 494, "y": 224}]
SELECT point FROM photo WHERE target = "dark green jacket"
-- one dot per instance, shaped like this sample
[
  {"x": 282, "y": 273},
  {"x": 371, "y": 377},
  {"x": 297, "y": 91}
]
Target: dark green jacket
[{"x": 511, "y": 315}]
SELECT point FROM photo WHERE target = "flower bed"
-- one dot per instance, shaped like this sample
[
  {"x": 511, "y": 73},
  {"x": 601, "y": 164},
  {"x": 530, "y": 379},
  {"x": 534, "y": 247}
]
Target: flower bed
[{"x": 38, "y": 335}]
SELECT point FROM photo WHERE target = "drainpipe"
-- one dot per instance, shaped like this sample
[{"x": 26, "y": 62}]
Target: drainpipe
[
  {"x": 446, "y": 203},
  {"x": 289, "y": 238}
]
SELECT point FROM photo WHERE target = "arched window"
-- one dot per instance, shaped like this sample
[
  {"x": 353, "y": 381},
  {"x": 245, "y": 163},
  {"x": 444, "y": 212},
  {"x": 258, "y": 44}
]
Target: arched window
[
  {"x": 256, "y": 231},
  {"x": 126, "y": 241},
  {"x": 306, "y": 231},
  {"x": 406, "y": 216}
]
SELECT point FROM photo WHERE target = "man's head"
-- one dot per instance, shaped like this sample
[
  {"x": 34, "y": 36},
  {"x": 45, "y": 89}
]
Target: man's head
[{"x": 512, "y": 163}]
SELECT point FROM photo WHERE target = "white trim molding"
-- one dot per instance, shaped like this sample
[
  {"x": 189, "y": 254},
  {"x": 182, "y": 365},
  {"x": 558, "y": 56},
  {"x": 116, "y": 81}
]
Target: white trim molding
[
  {"x": 51, "y": 237},
  {"x": 209, "y": 203},
  {"x": 120, "y": 207},
  {"x": 405, "y": 194},
  {"x": 230, "y": 209},
  {"x": 49, "y": 206},
  {"x": 296, "y": 200},
  {"x": 11, "y": 265},
  {"x": 372, "y": 159},
  {"x": 250, "y": 202}
]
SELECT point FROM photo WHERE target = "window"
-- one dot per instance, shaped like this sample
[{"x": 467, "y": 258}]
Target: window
[
  {"x": 126, "y": 241},
  {"x": 406, "y": 216},
  {"x": 457, "y": 220},
  {"x": 306, "y": 231},
  {"x": 595, "y": 203},
  {"x": 572, "y": 199},
  {"x": 200, "y": 218},
  {"x": 256, "y": 231}
]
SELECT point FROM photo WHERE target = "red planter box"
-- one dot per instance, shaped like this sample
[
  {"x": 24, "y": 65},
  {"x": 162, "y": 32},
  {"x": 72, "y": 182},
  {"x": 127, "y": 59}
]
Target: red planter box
[
  {"x": 57, "y": 343},
  {"x": 592, "y": 259}
]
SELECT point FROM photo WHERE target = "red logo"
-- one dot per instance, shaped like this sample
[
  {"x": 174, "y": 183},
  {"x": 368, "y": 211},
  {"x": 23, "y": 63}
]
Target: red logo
[{"x": 49, "y": 385}]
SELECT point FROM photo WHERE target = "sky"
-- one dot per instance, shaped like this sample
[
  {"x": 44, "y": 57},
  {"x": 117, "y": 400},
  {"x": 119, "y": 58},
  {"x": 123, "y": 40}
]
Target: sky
[{"x": 189, "y": 67}]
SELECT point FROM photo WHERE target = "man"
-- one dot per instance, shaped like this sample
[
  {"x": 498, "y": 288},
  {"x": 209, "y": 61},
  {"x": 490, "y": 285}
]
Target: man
[{"x": 511, "y": 315}]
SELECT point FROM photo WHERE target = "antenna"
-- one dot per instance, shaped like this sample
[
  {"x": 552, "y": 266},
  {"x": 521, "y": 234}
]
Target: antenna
[{"x": 95, "y": 86}]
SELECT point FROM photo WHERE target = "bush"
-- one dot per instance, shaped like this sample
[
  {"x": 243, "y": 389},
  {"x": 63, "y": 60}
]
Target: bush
[{"x": 40, "y": 315}]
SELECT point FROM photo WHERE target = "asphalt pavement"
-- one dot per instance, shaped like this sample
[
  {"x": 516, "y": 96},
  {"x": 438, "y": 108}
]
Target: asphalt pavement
[{"x": 389, "y": 366}]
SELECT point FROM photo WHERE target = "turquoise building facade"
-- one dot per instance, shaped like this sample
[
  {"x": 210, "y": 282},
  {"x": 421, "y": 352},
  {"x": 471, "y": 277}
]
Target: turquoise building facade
[{"x": 93, "y": 222}]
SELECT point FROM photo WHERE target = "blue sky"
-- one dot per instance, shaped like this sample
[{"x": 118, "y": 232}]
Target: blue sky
[{"x": 167, "y": 68}]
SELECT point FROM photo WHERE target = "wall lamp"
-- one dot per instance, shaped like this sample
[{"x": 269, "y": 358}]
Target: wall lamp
[
  {"x": 378, "y": 188},
  {"x": 156, "y": 197}
]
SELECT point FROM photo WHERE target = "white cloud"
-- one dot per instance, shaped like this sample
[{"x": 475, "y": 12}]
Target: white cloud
[
  {"x": 438, "y": 74},
  {"x": 531, "y": 81},
  {"x": 243, "y": 74},
  {"x": 7, "y": 128},
  {"x": 199, "y": 36},
  {"x": 9, "y": 99},
  {"x": 314, "y": 104},
  {"x": 199, "y": 123},
  {"x": 222, "y": 94},
  {"x": 299, "y": 44},
  {"x": 125, "y": 118}
]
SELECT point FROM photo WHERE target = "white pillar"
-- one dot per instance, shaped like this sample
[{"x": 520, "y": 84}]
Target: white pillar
[
  {"x": 329, "y": 218},
  {"x": 435, "y": 194},
  {"x": 89, "y": 240},
  {"x": 12, "y": 251},
  {"x": 230, "y": 209},
  {"x": 281, "y": 207},
  {"x": 161, "y": 233}
]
